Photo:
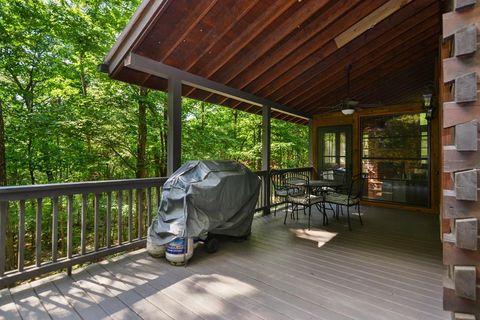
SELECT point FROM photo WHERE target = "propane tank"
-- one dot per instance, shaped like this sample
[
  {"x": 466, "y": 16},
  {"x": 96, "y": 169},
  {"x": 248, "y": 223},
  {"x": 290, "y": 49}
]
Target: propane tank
[
  {"x": 178, "y": 250},
  {"x": 154, "y": 250}
]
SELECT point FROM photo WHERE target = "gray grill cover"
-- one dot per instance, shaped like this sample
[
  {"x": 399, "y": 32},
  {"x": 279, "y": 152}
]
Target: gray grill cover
[{"x": 206, "y": 196}]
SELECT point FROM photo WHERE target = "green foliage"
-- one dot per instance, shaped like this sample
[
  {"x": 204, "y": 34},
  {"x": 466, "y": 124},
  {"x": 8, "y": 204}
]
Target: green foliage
[
  {"x": 214, "y": 132},
  {"x": 65, "y": 121}
]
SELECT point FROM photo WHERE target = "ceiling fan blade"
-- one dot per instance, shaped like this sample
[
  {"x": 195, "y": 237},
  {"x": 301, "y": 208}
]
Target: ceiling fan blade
[
  {"x": 336, "y": 107},
  {"x": 370, "y": 105}
]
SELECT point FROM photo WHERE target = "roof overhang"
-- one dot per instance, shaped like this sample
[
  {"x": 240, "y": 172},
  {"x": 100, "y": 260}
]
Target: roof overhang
[{"x": 289, "y": 55}]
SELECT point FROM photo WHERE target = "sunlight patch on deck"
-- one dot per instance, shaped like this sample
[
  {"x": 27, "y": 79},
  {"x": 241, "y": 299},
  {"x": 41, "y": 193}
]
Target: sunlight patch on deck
[
  {"x": 317, "y": 235},
  {"x": 211, "y": 294}
]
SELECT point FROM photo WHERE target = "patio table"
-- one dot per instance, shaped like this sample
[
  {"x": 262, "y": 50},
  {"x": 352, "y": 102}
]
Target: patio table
[
  {"x": 316, "y": 185},
  {"x": 325, "y": 183}
]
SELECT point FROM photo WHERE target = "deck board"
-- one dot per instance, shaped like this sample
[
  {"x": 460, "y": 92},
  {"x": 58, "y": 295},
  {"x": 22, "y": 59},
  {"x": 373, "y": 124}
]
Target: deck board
[
  {"x": 55, "y": 303},
  {"x": 105, "y": 298},
  {"x": 391, "y": 268},
  {"x": 8, "y": 309},
  {"x": 28, "y": 303},
  {"x": 80, "y": 300},
  {"x": 126, "y": 291}
]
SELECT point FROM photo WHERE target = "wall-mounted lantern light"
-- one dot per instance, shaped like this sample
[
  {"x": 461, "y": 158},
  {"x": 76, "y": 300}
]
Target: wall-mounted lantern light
[{"x": 428, "y": 106}]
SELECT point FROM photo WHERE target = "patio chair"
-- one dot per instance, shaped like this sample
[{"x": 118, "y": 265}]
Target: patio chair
[
  {"x": 281, "y": 189},
  {"x": 337, "y": 175},
  {"x": 350, "y": 199},
  {"x": 305, "y": 198},
  {"x": 340, "y": 175}
]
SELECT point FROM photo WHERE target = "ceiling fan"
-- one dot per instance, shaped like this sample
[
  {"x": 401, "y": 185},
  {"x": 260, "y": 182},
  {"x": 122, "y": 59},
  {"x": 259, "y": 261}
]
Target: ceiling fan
[{"x": 347, "y": 105}]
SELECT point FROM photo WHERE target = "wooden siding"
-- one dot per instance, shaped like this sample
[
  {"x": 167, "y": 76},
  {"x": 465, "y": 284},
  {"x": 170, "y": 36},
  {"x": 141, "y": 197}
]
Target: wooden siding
[
  {"x": 460, "y": 156},
  {"x": 388, "y": 269}
]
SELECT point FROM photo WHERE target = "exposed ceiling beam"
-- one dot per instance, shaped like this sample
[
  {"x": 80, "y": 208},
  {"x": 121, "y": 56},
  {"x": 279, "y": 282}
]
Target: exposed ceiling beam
[
  {"x": 156, "y": 68},
  {"x": 370, "y": 21}
]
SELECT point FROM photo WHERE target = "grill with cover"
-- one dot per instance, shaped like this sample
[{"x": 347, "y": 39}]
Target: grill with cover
[{"x": 215, "y": 197}]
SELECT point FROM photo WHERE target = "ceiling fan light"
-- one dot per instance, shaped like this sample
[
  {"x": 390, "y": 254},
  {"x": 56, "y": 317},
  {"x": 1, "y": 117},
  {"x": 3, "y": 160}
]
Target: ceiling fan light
[{"x": 348, "y": 111}]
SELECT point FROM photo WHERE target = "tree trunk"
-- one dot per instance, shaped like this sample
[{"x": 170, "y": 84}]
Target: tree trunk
[
  {"x": 31, "y": 166},
  {"x": 83, "y": 75},
  {"x": 3, "y": 160},
  {"x": 235, "y": 123},
  {"x": 202, "y": 108},
  {"x": 164, "y": 137}
]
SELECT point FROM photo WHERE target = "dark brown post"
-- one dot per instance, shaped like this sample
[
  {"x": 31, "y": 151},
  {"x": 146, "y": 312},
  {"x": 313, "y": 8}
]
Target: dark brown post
[
  {"x": 266, "y": 133},
  {"x": 174, "y": 142},
  {"x": 460, "y": 207},
  {"x": 310, "y": 146}
]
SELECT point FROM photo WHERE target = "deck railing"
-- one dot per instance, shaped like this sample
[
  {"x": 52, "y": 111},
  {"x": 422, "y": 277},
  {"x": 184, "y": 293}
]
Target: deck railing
[{"x": 57, "y": 226}]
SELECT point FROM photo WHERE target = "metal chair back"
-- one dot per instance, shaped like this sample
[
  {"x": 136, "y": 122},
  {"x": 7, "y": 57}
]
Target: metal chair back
[{"x": 357, "y": 186}]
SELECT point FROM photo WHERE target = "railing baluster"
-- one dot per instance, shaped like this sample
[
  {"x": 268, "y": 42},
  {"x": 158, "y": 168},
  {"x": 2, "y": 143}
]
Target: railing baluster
[
  {"x": 130, "y": 213},
  {"x": 95, "y": 221},
  {"x": 38, "y": 232},
  {"x": 140, "y": 212},
  {"x": 108, "y": 222},
  {"x": 3, "y": 235},
  {"x": 70, "y": 226},
  {"x": 158, "y": 196},
  {"x": 55, "y": 229},
  {"x": 120, "y": 225},
  {"x": 77, "y": 197},
  {"x": 149, "y": 206},
  {"x": 84, "y": 223},
  {"x": 21, "y": 236}
]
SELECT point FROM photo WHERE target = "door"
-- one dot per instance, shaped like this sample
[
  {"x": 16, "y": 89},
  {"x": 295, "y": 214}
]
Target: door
[{"x": 335, "y": 149}]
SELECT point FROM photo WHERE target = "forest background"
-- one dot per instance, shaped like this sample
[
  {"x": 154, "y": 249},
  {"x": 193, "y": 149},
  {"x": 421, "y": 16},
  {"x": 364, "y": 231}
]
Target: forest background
[{"x": 61, "y": 120}]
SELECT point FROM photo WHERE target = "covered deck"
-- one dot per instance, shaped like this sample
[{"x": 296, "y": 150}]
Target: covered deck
[
  {"x": 391, "y": 268},
  {"x": 288, "y": 60}
]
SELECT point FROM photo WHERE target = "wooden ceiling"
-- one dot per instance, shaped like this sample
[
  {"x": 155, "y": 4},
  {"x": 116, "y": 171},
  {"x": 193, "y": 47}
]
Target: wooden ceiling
[{"x": 291, "y": 52}]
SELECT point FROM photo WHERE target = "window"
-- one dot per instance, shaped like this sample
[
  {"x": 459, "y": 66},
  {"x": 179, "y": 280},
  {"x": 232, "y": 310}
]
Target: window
[{"x": 395, "y": 155}]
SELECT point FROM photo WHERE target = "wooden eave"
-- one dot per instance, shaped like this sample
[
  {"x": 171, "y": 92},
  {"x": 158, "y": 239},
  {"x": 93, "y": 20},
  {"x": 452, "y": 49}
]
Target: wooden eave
[{"x": 290, "y": 54}]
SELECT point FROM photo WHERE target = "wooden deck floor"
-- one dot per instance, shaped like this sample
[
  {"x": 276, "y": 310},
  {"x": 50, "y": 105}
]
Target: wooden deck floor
[{"x": 389, "y": 269}]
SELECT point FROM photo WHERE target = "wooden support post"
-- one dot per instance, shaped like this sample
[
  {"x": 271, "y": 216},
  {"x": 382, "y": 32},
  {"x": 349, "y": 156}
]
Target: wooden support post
[
  {"x": 266, "y": 152},
  {"x": 461, "y": 160},
  {"x": 310, "y": 142},
  {"x": 174, "y": 143}
]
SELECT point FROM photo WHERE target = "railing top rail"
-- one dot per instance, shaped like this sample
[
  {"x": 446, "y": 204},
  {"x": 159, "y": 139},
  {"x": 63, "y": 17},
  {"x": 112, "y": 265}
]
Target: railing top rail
[
  {"x": 134, "y": 210},
  {"x": 8, "y": 193},
  {"x": 292, "y": 170}
]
